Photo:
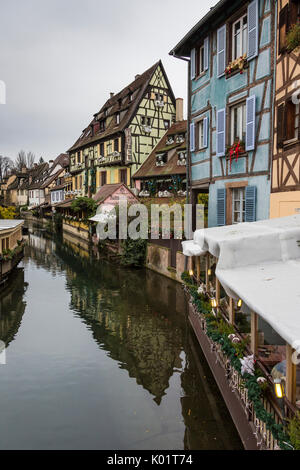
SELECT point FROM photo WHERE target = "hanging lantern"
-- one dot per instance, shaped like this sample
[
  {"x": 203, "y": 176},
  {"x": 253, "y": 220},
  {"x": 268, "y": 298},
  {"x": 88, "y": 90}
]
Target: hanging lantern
[
  {"x": 239, "y": 303},
  {"x": 209, "y": 272},
  {"x": 191, "y": 272},
  {"x": 279, "y": 388},
  {"x": 214, "y": 303}
]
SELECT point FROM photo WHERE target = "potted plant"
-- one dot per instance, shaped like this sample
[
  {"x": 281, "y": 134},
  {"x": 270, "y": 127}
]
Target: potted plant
[
  {"x": 293, "y": 37},
  {"x": 238, "y": 64}
]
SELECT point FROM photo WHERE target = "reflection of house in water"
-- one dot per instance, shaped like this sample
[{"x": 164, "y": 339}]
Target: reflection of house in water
[
  {"x": 143, "y": 339},
  {"x": 12, "y": 306}
]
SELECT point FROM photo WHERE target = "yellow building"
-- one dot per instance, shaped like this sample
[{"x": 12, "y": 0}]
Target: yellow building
[
  {"x": 285, "y": 192},
  {"x": 123, "y": 133}
]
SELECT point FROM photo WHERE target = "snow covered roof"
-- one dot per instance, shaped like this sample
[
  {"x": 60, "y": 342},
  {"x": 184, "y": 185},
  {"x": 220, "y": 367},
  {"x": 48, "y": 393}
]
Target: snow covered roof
[{"x": 259, "y": 262}]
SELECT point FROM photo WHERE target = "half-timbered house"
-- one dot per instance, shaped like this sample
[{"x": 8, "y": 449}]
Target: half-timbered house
[
  {"x": 124, "y": 131},
  {"x": 231, "y": 55},
  {"x": 285, "y": 191}
]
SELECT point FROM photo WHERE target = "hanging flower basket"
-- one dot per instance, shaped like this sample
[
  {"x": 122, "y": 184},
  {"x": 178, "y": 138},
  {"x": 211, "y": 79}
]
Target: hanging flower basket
[{"x": 237, "y": 64}]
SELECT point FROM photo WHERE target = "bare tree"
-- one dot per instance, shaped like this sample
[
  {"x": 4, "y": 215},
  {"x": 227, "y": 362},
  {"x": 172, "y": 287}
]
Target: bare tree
[
  {"x": 30, "y": 159},
  {"x": 20, "y": 161},
  {"x": 6, "y": 164}
]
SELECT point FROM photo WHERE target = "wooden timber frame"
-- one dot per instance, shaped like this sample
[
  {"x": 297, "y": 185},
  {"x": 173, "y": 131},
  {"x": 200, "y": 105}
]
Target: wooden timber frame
[{"x": 252, "y": 430}]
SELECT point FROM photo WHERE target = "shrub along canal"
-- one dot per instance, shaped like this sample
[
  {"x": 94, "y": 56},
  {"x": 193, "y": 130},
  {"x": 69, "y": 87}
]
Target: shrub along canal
[{"x": 102, "y": 357}]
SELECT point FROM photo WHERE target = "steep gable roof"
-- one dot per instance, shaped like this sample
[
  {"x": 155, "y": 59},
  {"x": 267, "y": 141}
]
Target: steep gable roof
[
  {"x": 109, "y": 189},
  {"x": 119, "y": 103},
  {"x": 149, "y": 168}
]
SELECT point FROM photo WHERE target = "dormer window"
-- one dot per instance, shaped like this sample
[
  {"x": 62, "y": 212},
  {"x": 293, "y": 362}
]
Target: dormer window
[
  {"x": 118, "y": 118},
  {"x": 161, "y": 159},
  {"x": 146, "y": 121},
  {"x": 170, "y": 140},
  {"x": 130, "y": 97},
  {"x": 120, "y": 102},
  {"x": 159, "y": 96},
  {"x": 102, "y": 125},
  {"x": 166, "y": 123},
  {"x": 105, "y": 112}
]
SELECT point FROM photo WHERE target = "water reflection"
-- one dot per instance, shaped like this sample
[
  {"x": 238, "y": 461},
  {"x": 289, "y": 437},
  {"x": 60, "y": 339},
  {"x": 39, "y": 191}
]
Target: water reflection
[
  {"x": 136, "y": 318},
  {"x": 12, "y": 306}
]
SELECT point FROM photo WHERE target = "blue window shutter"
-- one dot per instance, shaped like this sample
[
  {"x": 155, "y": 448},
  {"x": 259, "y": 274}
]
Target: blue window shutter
[
  {"x": 205, "y": 132},
  {"x": 221, "y": 207},
  {"x": 206, "y": 53},
  {"x": 221, "y": 51},
  {"x": 250, "y": 204},
  {"x": 250, "y": 123},
  {"x": 253, "y": 25},
  {"x": 221, "y": 132},
  {"x": 193, "y": 63},
  {"x": 192, "y": 137}
]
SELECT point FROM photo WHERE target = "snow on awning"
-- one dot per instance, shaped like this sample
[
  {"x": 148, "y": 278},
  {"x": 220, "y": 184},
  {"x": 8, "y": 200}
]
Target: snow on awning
[
  {"x": 259, "y": 262},
  {"x": 105, "y": 213},
  {"x": 190, "y": 248}
]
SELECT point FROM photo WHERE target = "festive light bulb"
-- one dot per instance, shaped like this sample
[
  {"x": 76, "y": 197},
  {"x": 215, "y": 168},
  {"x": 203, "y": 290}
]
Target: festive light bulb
[
  {"x": 191, "y": 272},
  {"x": 239, "y": 303},
  {"x": 214, "y": 303},
  {"x": 209, "y": 272}
]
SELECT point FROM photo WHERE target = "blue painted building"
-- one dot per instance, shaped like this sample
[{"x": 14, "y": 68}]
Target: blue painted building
[{"x": 230, "y": 53}]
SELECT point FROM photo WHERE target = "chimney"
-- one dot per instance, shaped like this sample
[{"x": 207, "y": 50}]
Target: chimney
[
  {"x": 111, "y": 94},
  {"x": 24, "y": 169},
  {"x": 51, "y": 161},
  {"x": 137, "y": 76},
  {"x": 179, "y": 109}
]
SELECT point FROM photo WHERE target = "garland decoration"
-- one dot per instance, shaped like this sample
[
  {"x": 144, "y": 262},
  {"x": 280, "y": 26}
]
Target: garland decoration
[{"x": 219, "y": 333}]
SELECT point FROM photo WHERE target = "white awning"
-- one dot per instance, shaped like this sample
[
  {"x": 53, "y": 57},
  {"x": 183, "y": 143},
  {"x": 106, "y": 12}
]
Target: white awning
[
  {"x": 105, "y": 213},
  {"x": 259, "y": 262}
]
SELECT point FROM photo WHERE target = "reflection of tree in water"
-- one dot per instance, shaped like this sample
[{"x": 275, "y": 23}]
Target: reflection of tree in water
[
  {"x": 115, "y": 303},
  {"x": 12, "y": 306}
]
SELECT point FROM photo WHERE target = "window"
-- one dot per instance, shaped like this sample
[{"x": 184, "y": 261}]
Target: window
[
  {"x": 116, "y": 145},
  {"x": 103, "y": 178},
  {"x": 238, "y": 205},
  {"x": 130, "y": 96},
  {"x": 283, "y": 27},
  {"x": 78, "y": 157},
  {"x": 166, "y": 123},
  {"x": 238, "y": 123},
  {"x": 123, "y": 176},
  {"x": 200, "y": 134},
  {"x": 102, "y": 125},
  {"x": 287, "y": 123},
  {"x": 102, "y": 149},
  {"x": 146, "y": 121},
  {"x": 239, "y": 37},
  {"x": 200, "y": 60},
  {"x": 118, "y": 118},
  {"x": 159, "y": 96}
]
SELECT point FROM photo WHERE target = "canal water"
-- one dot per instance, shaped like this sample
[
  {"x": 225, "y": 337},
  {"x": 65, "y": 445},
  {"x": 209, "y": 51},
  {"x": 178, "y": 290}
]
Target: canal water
[{"x": 101, "y": 357}]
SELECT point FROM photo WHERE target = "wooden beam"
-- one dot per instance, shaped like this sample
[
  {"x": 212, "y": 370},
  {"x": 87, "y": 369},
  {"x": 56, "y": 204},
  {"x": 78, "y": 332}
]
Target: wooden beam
[
  {"x": 198, "y": 268},
  {"x": 290, "y": 375},
  {"x": 218, "y": 290},
  {"x": 206, "y": 271},
  {"x": 254, "y": 333},
  {"x": 231, "y": 311}
]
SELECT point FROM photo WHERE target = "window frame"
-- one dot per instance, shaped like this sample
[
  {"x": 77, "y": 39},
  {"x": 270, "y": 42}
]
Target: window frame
[
  {"x": 241, "y": 191},
  {"x": 242, "y": 125},
  {"x": 233, "y": 35}
]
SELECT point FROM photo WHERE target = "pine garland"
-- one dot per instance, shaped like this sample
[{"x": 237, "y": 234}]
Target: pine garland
[{"x": 254, "y": 389}]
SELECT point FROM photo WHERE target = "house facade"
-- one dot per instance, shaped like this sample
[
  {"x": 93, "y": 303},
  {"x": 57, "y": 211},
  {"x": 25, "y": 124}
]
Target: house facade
[
  {"x": 122, "y": 134},
  {"x": 163, "y": 174},
  {"x": 285, "y": 190},
  {"x": 231, "y": 71}
]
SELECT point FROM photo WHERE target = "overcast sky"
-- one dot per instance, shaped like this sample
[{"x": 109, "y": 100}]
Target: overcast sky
[{"x": 61, "y": 58}]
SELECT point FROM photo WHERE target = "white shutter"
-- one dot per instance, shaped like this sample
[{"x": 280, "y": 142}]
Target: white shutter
[
  {"x": 193, "y": 63},
  {"x": 221, "y": 51},
  {"x": 221, "y": 133},
  {"x": 250, "y": 123},
  {"x": 206, "y": 53},
  {"x": 192, "y": 137},
  {"x": 253, "y": 29},
  {"x": 205, "y": 132}
]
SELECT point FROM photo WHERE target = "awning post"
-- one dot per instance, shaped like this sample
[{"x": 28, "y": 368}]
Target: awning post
[
  {"x": 206, "y": 271},
  {"x": 290, "y": 375},
  {"x": 198, "y": 268},
  {"x": 254, "y": 333},
  {"x": 218, "y": 291},
  {"x": 231, "y": 311}
]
